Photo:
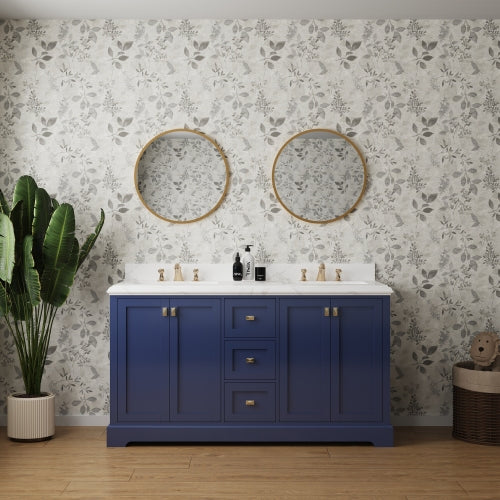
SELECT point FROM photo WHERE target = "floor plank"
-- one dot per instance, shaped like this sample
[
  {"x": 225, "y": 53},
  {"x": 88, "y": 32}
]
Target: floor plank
[{"x": 425, "y": 463}]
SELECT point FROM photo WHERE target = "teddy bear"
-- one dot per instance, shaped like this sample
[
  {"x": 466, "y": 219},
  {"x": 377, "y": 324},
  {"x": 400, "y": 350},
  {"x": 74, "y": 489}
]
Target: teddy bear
[{"x": 485, "y": 351}]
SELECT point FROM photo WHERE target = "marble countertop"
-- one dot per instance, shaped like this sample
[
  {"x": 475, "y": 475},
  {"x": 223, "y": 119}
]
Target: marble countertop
[
  {"x": 141, "y": 279},
  {"x": 251, "y": 288}
]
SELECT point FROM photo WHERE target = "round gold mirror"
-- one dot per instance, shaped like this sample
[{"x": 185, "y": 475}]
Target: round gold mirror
[
  {"x": 319, "y": 176},
  {"x": 181, "y": 175}
]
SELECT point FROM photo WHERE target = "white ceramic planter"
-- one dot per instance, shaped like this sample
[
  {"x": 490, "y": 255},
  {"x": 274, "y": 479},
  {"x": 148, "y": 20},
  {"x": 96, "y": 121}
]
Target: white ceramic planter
[{"x": 30, "y": 419}]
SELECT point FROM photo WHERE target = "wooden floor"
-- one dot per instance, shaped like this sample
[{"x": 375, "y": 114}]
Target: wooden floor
[{"x": 425, "y": 463}]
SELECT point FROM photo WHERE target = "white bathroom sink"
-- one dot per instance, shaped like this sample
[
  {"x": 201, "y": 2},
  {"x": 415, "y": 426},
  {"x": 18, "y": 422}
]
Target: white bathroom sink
[
  {"x": 331, "y": 283},
  {"x": 190, "y": 283}
]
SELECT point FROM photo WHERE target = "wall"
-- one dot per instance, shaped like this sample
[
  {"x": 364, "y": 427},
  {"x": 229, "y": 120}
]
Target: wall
[{"x": 420, "y": 98}]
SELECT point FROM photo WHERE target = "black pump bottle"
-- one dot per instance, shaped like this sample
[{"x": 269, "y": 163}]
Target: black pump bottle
[{"x": 237, "y": 268}]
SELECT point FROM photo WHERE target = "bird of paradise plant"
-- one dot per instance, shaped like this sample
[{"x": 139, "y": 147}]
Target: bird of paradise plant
[{"x": 39, "y": 257}]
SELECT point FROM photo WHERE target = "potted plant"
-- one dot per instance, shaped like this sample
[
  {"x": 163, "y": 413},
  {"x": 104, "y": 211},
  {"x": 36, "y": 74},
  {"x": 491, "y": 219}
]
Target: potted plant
[{"x": 39, "y": 257}]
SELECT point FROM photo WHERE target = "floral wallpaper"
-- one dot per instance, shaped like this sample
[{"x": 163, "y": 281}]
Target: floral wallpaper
[
  {"x": 181, "y": 178},
  {"x": 318, "y": 178},
  {"x": 421, "y": 98}
]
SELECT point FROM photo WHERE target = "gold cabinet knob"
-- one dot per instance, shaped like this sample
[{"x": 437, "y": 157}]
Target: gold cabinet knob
[
  {"x": 250, "y": 318},
  {"x": 250, "y": 361},
  {"x": 164, "y": 311},
  {"x": 326, "y": 312},
  {"x": 250, "y": 402},
  {"x": 173, "y": 311},
  {"x": 335, "y": 311}
]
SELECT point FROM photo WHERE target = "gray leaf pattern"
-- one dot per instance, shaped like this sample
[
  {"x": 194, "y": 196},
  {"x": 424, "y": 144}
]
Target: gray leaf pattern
[{"x": 421, "y": 98}]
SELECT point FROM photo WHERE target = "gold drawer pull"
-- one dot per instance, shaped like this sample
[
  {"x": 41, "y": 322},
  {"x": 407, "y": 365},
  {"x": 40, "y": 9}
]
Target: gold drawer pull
[
  {"x": 250, "y": 318},
  {"x": 173, "y": 311},
  {"x": 250, "y": 361},
  {"x": 250, "y": 402},
  {"x": 326, "y": 312},
  {"x": 164, "y": 311},
  {"x": 335, "y": 311}
]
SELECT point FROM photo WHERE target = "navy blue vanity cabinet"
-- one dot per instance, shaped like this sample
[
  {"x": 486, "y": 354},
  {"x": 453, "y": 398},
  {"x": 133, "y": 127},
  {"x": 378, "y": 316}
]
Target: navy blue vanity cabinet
[
  {"x": 334, "y": 366},
  {"x": 308, "y": 368},
  {"x": 165, "y": 365}
]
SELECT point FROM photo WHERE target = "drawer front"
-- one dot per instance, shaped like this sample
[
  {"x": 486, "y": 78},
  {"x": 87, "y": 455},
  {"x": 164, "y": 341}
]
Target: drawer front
[
  {"x": 250, "y": 317},
  {"x": 250, "y": 402},
  {"x": 250, "y": 359}
]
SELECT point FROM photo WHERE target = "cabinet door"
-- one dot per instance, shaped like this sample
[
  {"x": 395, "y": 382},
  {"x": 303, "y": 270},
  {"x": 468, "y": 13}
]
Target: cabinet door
[
  {"x": 304, "y": 360},
  {"x": 142, "y": 360},
  {"x": 195, "y": 369},
  {"x": 357, "y": 362}
]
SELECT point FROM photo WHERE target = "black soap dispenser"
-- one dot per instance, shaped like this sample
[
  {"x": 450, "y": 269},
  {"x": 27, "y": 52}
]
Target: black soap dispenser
[{"x": 237, "y": 268}]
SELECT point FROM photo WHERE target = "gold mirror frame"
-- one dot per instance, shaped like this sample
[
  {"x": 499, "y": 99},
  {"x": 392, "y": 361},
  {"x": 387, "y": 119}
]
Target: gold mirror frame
[
  {"x": 214, "y": 144},
  {"x": 363, "y": 188}
]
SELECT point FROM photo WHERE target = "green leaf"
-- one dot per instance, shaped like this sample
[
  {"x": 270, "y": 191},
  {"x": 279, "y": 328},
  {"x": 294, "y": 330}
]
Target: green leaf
[
  {"x": 89, "y": 242},
  {"x": 25, "y": 191},
  {"x": 56, "y": 281},
  {"x": 16, "y": 217},
  {"x": 4, "y": 206},
  {"x": 7, "y": 248},
  {"x": 31, "y": 278},
  {"x": 41, "y": 218},
  {"x": 59, "y": 237},
  {"x": 4, "y": 301},
  {"x": 18, "y": 296}
]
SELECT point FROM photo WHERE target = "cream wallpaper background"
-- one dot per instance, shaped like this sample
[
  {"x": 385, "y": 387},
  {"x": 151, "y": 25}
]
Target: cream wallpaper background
[{"x": 421, "y": 99}]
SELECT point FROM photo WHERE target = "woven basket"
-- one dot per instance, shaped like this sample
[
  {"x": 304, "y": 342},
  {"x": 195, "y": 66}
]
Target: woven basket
[{"x": 476, "y": 404}]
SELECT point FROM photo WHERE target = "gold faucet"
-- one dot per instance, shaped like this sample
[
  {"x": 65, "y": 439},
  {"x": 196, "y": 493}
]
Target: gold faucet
[
  {"x": 337, "y": 274},
  {"x": 195, "y": 275},
  {"x": 178, "y": 273},
  {"x": 303, "y": 275},
  {"x": 321, "y": 272},
  {"x": 162, "y": 274}
]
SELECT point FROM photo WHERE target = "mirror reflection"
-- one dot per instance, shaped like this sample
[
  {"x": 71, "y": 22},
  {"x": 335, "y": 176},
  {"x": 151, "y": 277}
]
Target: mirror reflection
[
  {"x": 181, "y": 175},
  {"x": 319, "y": 176}
]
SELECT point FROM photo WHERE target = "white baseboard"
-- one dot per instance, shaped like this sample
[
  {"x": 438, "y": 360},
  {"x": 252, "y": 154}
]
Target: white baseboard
[
  {"x": 82, "y": 420},
  {"x": 422, "y": 421},
  {"x": 103, "y": 420}
]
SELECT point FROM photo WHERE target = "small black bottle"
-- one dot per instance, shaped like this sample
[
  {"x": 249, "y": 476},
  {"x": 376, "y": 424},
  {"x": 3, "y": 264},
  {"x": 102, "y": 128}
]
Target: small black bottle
[{"x": 237, "y": 268}]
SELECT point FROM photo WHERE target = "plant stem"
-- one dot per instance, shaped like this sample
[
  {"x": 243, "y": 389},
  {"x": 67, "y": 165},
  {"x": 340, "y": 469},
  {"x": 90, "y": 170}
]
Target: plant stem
[{"x": 32, "y": 337}]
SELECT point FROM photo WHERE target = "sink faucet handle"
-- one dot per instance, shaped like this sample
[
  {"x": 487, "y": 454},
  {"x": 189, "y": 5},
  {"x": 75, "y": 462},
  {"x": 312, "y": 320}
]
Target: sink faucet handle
[
  {"x": 161, "y": 272},
  {"x": 195, "y": 274},
  {"x": 303, "y": 275},
  {"x": 337, "y": 274}
]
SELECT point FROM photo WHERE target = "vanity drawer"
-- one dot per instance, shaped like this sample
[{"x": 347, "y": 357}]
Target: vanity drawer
[
  {"x": 250, "y": 359},
  {"x": 250, "y": 402},
  {"x": 250, "y": 317}
]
